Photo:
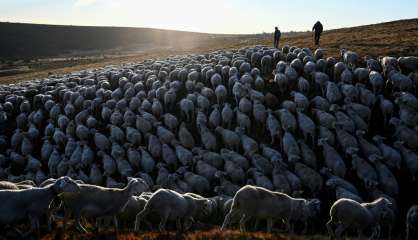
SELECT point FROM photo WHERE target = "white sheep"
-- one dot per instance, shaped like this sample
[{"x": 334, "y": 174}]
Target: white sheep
[
  {"x": 169, "y": 205},
  {"x": 348, "y": 213},
  {"x": 260, "y": 203}
]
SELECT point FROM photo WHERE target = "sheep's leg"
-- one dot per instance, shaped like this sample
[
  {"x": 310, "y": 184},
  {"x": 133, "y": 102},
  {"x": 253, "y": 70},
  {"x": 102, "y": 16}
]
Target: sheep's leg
[
  {"x": 116, "y": 224},
  {"x": 64, "y": 222},
  {"x": 375, "y": 234},
  {"x": 389, "y": 232},
  {"x": 138, "y": 221},
  {"x": 305, "y": 227},
  {"x": 163, "y": 221},
  {"x": 288, "y": 226},
  {"x": 179, "y": 227},
  {"x": 227, "y": 220},
  {"x": 407, "y": 232},
  {"x": 340, "y": 229},
  {"x": 257, "y": 221},
  {"x": 329, "y": 228},
  {"x": 34, "y": 225},
  {"x": 79, "y": 225},
  {"x": 242, "y": 223},
  {"x": 269, "y": 225}
]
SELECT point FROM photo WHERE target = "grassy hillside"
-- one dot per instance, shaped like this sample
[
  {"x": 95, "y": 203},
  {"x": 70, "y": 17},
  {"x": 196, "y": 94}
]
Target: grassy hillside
[
  {"x": 398, "y": 38},
  {"x": 35, "y": 40}
]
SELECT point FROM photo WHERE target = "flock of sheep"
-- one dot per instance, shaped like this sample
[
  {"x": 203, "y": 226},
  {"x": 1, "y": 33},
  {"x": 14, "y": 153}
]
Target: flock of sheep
[{"x": 228, "y": 137}]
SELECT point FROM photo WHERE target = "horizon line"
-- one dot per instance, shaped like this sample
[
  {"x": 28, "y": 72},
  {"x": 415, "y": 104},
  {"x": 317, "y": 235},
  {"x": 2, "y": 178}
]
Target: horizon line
[{"x": 208, "y": 33}]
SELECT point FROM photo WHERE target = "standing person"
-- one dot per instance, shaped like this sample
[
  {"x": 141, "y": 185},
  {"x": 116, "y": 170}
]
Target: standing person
[
  {"x": 318, "y": 28},
  {"x": 277, "y": 35}
]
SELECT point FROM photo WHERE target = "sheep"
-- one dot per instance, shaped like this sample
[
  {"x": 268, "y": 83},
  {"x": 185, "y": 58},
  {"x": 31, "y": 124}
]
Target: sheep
[
  {"x": 185, "y": 137},
  {"x": 399, "y": 81},
  {"x": 33, "y": 203},
  {"x": 332, "y": 93},
  {"x": 350, "y": 58},
  {"x": 345, "y": 140},
  {"x": 273, "y": 126},
  {"x": 212, "y": 158},
  {"x": 309, "y": 210},
  {"x": 341, "y": 192},
  {"x": 290, "y": 147},
  {"x": 94, "y": 201},
  {"x": 303, "y": 85},
  {"x": 198, "y": 183},
  {"x": 256, "y": 202},
  {"x": 230, "y": 138},
  {"x": 321, "y": 79},
  {"x": 187, "y": 109},
  {"x": 377, "y": 81},
  {"x": 204, "y": 169},
  {"x": 208, "y": 139},
  {"x": 4, "y": 185},
  {"x": 307, "y": 127},
  {"x": 215, "y": 118},
  {"x": 409, "y": 157},
  {"x": 309, "y": 178},
  {"x": 391, "y": 157},
  {"x": 324, "y": 119},
  {"x": 287, "y": 120},
  {"x": 411, "y": 223},
  {"x": 348, "y": 213},
  {"x": 302, "y": 102},
  {"x": 169, "y": 205},
  {"x": 368, "y": 149},
  {"x": 238, "y": 159},
  {"x": 386, "y": 107},
  {"x": 332, "y": 159},
  {"x": 386, "y": 178},
  {"x": 259, "y": 179},
  {"x": 364, "y": 170},
  {"x": 282, "y": 81},
  {"x": 366, "y": 96},
  {"x": 320, "y": 103},
  {"x": 261, "y": 163},
  {"x": 408, "y": 64},
  {"x": 350, "y": 91},
  {"x": 226, "y": 187},
  {"x": 249, "y": 145},
  {"x": 361, "y": 75},
  {"x": 405, "y": 134},
  {"x": 272, "y": 154},
  {"x": 342, "y": 119}
]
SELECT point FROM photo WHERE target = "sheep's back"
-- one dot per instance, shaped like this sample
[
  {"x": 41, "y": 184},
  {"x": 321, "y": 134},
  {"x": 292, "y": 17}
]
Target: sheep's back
[{"x": 348, "y": 210}]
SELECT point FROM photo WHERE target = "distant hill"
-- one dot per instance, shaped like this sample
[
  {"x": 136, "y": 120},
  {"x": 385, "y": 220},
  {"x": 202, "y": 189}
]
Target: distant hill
[{"x": 18, "y": 40}]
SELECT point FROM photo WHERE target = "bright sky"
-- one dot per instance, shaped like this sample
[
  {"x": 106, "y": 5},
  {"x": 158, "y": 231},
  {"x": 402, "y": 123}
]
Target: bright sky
[{"x": 214, "y": 16}]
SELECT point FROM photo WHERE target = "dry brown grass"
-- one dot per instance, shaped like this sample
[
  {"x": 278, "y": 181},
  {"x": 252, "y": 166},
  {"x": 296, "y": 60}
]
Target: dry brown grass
[
  {"x": 198, "y": 235},
  {"x": 398, "y": 38}
]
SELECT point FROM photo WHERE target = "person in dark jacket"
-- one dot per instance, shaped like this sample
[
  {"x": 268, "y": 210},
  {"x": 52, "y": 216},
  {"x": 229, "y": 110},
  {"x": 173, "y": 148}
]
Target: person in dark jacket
[
  {"x": 318, "y": 29},
  {"x": 277, "y": 35}
]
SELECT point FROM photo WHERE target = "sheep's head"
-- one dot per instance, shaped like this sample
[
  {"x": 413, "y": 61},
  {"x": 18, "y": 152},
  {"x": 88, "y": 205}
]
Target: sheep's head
[
  {"x": 331, "y": 183},
  {"x": 378, "y": 139},
  {"x": 137, "y": 185},
  {"x": 314, "y": 206},
  {"x": 413, "y": 214},
  {"x": 294, "y": 158},
  {"x": 383, "y": 206},
  {"x": 65, "y": 185},
  {"x": 206, "y": 206}
]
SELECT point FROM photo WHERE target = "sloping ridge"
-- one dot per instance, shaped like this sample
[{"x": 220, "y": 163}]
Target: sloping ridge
[{"x": 20, "y": 40}]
